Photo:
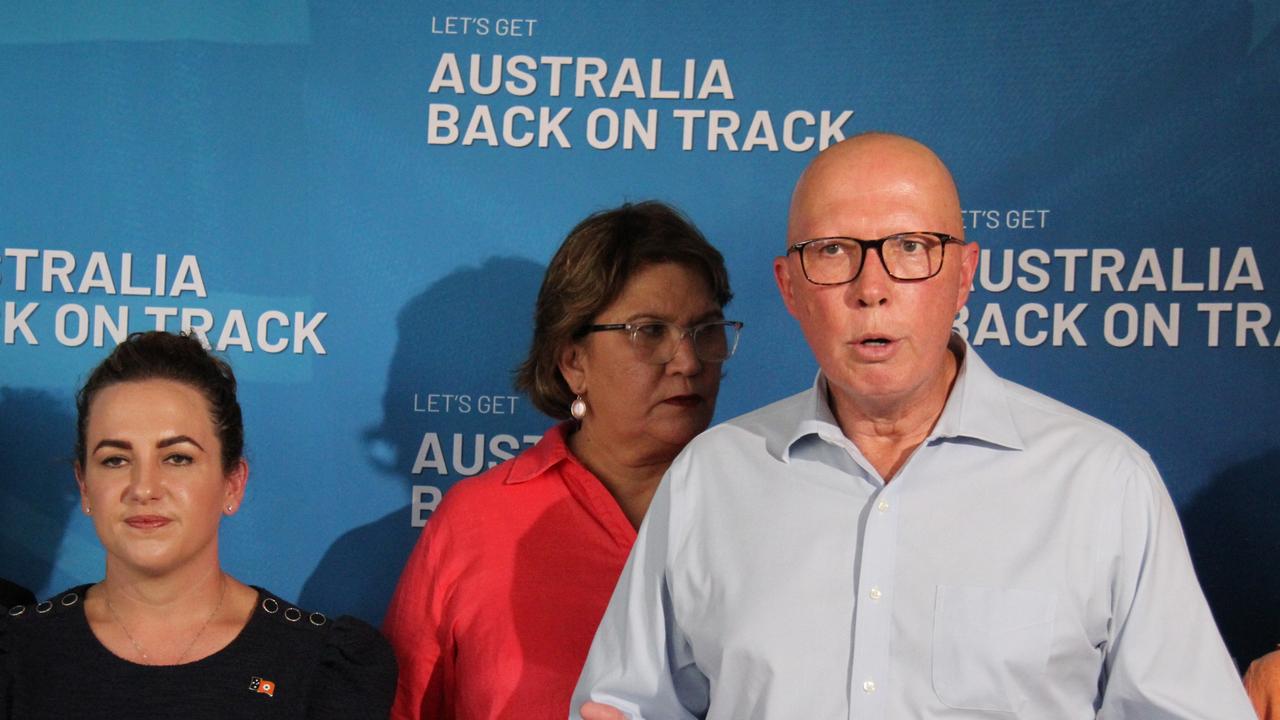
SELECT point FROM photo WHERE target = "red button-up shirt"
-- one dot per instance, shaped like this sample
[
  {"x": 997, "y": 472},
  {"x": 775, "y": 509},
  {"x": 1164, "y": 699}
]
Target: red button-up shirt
[{"x": 497, "y": 606}]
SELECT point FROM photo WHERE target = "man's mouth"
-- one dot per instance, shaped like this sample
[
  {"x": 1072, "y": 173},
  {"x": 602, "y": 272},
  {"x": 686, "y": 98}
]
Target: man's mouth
[{"x": 875, "y": 348}]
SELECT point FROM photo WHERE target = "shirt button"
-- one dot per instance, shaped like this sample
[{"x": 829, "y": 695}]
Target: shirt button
[
  {"x": 875, "y": 593},
  {"x": 883, "y": 506},
  {"x": 868, "y": 687}
]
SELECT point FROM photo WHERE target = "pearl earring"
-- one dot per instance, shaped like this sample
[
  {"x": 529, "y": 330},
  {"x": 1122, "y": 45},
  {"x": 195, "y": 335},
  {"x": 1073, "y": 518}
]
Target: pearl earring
[{"x": 578, "y": 408}]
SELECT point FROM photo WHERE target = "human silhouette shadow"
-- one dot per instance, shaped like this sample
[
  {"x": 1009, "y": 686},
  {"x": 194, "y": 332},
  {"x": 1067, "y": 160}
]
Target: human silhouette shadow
[
  {"x": 464, "y": 335},
  {"x": 36, "y": 483},
  {"x": 1234, "y": 539}
]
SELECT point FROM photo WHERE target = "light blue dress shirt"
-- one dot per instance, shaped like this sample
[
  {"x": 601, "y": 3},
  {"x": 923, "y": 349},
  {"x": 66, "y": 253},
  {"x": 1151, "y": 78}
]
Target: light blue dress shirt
[{"x": 1025, "y": 562}]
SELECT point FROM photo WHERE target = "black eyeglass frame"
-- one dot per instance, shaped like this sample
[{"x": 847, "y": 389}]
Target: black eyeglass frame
[
  {"x": 878, "y": 246},
  {"x": 689, "y": 332}
]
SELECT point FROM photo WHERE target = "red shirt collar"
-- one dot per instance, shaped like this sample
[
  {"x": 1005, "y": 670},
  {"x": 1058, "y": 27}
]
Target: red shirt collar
[{"x": 551, "y": 450}]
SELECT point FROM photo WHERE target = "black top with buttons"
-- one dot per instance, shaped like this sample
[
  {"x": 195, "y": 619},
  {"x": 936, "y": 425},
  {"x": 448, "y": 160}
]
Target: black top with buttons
[{"x": 285, "y": 663}]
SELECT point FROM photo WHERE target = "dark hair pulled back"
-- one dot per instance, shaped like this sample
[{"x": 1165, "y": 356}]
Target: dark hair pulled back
[{"x": 158, "y": 355}]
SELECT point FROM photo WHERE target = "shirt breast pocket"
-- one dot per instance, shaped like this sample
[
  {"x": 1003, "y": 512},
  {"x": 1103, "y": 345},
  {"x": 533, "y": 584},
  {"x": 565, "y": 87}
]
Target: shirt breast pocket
[{"x": 990, "y": 645}]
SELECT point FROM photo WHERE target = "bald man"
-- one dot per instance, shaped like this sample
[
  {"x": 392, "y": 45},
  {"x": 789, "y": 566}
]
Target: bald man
[{"x": 912, "y": 537}]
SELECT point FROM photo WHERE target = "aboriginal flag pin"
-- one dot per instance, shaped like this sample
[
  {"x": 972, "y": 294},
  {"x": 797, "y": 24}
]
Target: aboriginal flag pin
[{"x": 262, "y": 687}]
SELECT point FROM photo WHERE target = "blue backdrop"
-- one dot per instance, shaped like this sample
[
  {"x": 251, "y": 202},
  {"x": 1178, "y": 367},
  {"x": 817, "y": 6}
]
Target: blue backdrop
[{"x": 356, "y": 201}]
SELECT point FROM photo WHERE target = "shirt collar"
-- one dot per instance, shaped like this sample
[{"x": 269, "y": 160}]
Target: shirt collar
[
  {"x": 551, "y": 450},
  {"x": 813, "y": 418},
  {"x": 977, "y": 408}
]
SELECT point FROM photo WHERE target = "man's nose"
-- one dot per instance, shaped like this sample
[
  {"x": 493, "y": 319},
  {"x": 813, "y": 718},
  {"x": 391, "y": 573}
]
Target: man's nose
[{"x": 873, "y": 285}]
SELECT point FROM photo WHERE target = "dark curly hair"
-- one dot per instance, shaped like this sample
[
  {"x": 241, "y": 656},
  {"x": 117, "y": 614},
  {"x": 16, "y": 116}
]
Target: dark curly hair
[{"x": 160, "y": 355}]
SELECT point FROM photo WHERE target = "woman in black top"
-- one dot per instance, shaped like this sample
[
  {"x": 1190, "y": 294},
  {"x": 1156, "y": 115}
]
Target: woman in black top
[{"x": 167, "y": 633}]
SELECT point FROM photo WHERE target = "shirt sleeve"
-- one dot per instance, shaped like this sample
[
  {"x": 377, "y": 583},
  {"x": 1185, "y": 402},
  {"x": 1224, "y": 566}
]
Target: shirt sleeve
[
  {"x": 641, "y": 661},
  {"x": 419, "y": 633},
  {"x": 1164, "y": 658},
  {"x": 357, "y": 674},
  {"x": 1262, "y": 682}
]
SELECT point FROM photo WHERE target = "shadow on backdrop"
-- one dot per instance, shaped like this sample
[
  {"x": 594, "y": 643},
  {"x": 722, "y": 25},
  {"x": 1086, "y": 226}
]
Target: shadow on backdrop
[
  {"x": 463, "y": 336},
  {"x": 1235, "y": 543},
  {"x": 37, "y": 485}
]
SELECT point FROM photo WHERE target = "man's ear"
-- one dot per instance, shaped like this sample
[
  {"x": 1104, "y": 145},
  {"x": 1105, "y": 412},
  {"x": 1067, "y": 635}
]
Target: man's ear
[
  {"x": 970, "y": 253},
  {"x": 782, "y": 276}
]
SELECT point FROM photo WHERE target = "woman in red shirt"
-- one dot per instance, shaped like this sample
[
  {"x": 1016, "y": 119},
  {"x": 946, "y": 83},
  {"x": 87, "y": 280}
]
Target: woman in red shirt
[{"x": 496, "y": 608}]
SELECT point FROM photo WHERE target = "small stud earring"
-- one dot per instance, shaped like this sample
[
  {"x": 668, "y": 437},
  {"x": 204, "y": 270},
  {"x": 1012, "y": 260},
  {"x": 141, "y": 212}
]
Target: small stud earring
[
  {"x": 230, "y": 509},
  {"x": 578, "y": 408},
  {"x": 88, "y": 510}
]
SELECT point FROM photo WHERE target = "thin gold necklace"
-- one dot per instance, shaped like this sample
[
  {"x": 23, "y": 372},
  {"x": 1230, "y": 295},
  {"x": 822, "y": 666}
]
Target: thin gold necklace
[{"x": 222, "y": 591}]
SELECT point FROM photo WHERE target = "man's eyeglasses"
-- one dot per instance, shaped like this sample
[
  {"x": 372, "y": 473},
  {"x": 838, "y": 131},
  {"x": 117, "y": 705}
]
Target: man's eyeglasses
[
  {"x": 905, "y": 256},
  {"x": 658, "y": 342}
]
